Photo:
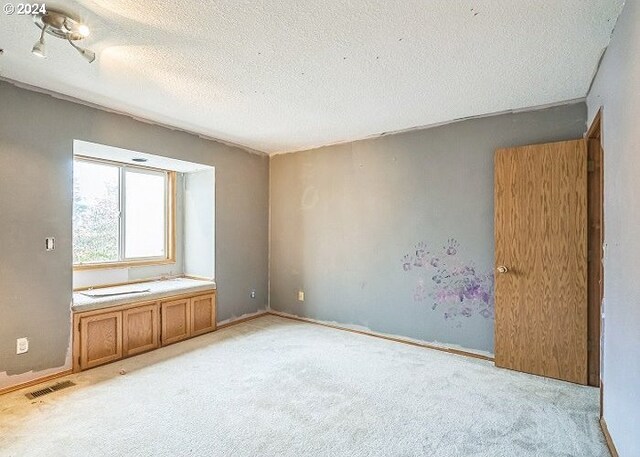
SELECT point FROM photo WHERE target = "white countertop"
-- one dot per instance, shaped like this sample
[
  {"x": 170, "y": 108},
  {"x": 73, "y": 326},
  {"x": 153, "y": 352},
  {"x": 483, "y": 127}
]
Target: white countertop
[{"x": 121, "y": 295}]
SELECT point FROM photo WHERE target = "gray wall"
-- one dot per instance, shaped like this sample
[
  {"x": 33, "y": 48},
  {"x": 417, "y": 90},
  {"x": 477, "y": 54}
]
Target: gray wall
[
  {"x": 36, "y": 135},
  {"x": 389, "y": 233},
  {"x": 617, "y": 90}
]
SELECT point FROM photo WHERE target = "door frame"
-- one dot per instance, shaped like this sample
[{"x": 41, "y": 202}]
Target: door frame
[{"x": 595, "y": 185}]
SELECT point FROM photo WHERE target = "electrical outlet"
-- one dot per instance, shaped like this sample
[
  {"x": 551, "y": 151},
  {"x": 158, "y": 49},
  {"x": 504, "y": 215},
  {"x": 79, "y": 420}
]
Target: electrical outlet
[
  {"x": 50, "y": 243},
  {"x": 253, "y": 293},
  {"x": 22, "y": 345},
  {"x": 300, "y": 295}
]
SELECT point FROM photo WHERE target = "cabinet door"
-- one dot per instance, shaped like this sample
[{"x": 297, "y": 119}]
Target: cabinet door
[
  {"x": 100, "y": 339},
  {"x": 203, "y": 314},
  {"x": 140, "y": 327},
  {"x": 176, "y": 320}
]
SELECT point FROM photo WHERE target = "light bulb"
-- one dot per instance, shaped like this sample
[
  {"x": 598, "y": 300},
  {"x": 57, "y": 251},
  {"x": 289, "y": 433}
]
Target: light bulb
[
  {"x": 38, "y": 49},
  {"x": 83, "y": 30}
]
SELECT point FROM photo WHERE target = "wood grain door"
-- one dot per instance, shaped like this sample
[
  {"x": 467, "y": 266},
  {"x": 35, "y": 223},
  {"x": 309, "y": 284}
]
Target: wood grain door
[
  {"x": 140, "y": 329},
  {"x": 203, "y": 314},
  {"x": 541, "y": 260},
  {"x": 100, "y": 339},
  {"x": 176, "y": 320}
]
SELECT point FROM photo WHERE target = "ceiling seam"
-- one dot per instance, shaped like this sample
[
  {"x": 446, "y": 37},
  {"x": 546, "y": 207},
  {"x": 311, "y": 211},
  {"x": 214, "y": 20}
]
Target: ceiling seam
[
  {"x": 97, "y": 106},
  {"x": 572, "y": 101}
]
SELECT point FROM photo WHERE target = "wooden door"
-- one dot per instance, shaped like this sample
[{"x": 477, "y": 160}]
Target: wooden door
[
  {"x": 203, "y": 314},
  {"x": 100, "y": 339},
  {"x": 541, "y": 260},
  {"x": 176, "y": 320},
  {"x": 140, "y": 329}
]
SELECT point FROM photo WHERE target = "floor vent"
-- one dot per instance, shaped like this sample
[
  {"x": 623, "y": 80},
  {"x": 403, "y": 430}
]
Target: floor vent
[{"x": 50, "y": 389}]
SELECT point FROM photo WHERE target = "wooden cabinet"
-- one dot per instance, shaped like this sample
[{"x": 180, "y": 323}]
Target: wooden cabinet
[
  {"x": 105, "y": 335},
  {"x": 176, "y": 320},
  {"x": 203, "y": 314},
  {"x": 187, "y": 317},
  {"x": 101, "y": 339},
  {"x": 140, "y": 329}
]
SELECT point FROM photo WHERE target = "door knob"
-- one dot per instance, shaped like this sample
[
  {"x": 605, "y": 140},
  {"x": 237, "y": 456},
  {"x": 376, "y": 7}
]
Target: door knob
[{"x": 502, "y": 269}]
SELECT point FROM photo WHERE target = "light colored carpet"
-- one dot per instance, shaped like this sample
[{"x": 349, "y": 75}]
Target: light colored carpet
[{"x": 276, "y": 387}]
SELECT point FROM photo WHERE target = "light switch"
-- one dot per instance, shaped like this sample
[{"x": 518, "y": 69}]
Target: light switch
[{"x": 50, "y": 243}]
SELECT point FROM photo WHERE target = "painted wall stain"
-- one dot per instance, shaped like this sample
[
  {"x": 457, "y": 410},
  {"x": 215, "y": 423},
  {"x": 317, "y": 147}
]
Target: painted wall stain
[
  {"x": 310, "y": 198},
  {"x": 454, "y": 286}
]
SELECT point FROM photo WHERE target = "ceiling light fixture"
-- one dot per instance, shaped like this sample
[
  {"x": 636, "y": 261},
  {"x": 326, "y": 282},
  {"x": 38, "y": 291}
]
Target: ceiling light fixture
[
  {"x": 84, "y": 52},
  {"x": 38, "y": 48},
  {"x": 61, "y": 24}
]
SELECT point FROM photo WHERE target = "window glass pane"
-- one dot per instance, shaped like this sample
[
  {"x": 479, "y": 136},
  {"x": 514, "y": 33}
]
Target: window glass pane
[
  {"x": 96, "y": 204},
  {"x": 145, "y": 213}
]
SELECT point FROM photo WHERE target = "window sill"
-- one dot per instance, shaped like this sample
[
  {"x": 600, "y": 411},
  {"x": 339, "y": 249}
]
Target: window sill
[
  {"x": 155, "y": 290},
  {"x": 129, "y": 264}
]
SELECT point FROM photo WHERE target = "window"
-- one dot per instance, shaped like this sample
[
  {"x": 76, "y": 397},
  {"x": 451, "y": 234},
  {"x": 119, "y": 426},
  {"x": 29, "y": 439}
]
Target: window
[{"x": 122, "y": 214}]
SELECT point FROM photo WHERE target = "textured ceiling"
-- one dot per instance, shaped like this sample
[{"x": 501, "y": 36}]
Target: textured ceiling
[{"x": 291, "y": 75}]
